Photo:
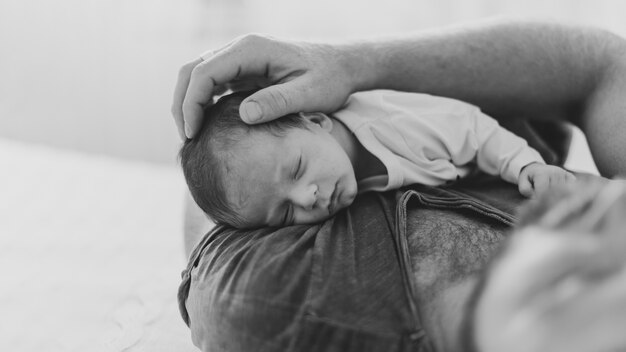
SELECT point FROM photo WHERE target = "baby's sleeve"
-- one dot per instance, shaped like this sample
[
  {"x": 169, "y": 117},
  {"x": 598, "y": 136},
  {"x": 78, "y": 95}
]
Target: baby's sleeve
[{"x": 501, "y": 152}]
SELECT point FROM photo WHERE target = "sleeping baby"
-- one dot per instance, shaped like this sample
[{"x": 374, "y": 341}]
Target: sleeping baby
[{"x": 304, "y": 168}]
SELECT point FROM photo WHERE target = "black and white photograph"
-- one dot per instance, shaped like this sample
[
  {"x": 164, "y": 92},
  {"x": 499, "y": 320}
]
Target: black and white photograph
[{"x": 313, "y": 176}]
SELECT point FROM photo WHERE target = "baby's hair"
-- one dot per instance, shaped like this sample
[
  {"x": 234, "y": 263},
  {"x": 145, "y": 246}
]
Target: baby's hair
[{"x": 205, "y": 158}]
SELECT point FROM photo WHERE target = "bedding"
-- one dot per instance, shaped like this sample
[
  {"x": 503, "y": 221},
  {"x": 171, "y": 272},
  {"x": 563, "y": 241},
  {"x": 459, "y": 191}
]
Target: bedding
[{"x": 90, "y": 252}]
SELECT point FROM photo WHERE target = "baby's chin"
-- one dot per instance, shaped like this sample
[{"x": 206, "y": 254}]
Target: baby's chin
[{"x": 345, "y": 200}]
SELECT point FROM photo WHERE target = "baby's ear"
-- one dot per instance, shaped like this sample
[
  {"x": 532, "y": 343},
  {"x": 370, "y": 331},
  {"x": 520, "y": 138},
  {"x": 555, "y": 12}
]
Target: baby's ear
[{"x": 318, "y": 118}]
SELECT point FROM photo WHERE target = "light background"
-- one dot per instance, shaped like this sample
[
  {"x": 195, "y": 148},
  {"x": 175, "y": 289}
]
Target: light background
[
  {"x": 98, "y": 75},
  {"x": 90, "y": 196}
]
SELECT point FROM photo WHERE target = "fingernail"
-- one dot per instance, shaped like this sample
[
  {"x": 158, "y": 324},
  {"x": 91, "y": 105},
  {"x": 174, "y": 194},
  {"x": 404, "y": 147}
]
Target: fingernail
[{"x": 252, "y": 111}]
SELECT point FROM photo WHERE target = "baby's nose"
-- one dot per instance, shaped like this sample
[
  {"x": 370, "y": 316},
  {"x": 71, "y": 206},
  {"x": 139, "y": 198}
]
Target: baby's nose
[{"x": 306, "y": 197}]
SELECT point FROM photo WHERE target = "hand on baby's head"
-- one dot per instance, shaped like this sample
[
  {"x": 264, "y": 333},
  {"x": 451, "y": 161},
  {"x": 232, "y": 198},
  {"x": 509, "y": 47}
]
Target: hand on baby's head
[
  {"x": 285, "y": 172},
  {"x": 537, "y": 178}
]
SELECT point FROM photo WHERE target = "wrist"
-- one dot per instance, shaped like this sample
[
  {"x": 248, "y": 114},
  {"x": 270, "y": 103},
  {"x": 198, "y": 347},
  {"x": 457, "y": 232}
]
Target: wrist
[
  {"x": 527, "y": 165},
  {"x": 523, "y": 172},
  {"x": 359, "y": 60}
]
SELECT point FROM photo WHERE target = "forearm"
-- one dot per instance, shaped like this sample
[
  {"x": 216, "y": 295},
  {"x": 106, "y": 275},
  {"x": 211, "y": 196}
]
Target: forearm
[
  {"x": 502, "y": 153},
  {"x": 507, "y": 68},
  {"x": 510, "y": 70}
]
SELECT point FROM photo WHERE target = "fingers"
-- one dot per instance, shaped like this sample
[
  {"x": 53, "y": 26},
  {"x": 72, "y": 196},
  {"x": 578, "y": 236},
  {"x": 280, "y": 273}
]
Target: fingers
[
  {"x": 182, "y": 85},
  {"x": 180, "y": 91},
  {"x": 247, "y": 56},
  {"x": 541, "y": 183},
  {"x": 297, "y": 76},
  {"x": 525, "y": 187},
  {"x": 605, "y": 201},
  {"x": 604, "y": 307},
  {"x": 273, "y": 102},
  {"x": 537, "y": 260},
  {"x": 542, "y": 179},
  {"x": 599, "y": 297},
  {"x": 602, "y": 304},
  {"x": 561, "y": 276},
  {"x": 540, "y": 258}
]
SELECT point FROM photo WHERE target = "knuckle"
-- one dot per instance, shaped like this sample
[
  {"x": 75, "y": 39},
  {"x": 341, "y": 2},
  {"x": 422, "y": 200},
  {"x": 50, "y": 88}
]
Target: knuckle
[
  {"x": 175, "y": 111},
  {"x": 252, "y": 39},
  {"x": 196, "y": 70},
  {"x": 199, "y": 71},
  {"x": 186, "y": 69},
  {"x": 278, "y": 99},
  {"x": 187, "y": 107}
]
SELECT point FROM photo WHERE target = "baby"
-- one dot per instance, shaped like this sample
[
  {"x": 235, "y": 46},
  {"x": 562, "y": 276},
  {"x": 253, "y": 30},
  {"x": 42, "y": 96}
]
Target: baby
[{"x": 303, "y": 168}]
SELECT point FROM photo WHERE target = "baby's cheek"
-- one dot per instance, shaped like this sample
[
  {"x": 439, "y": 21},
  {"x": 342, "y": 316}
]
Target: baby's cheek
[{"x": 346, "y": 203}]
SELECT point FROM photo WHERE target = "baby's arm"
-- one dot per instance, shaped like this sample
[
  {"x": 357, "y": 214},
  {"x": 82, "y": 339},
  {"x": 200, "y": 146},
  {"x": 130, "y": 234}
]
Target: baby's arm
[
  {"x": 512, "y": 157},
  {"x": 537, "y": 178}
]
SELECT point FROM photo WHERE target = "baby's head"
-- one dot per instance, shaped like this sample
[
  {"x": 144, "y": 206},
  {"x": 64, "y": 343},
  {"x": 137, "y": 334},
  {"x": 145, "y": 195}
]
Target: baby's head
[{"x": 293, "y": 170}]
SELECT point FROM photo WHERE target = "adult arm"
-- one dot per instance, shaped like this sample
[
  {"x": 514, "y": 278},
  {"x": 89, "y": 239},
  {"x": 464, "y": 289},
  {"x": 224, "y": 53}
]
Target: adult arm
[
  {"x": 508, "y": 69},
  {"x": 519, "y": 69}
]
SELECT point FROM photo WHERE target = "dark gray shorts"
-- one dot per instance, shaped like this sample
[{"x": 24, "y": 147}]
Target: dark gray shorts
[{"x": 344, "y": 285}]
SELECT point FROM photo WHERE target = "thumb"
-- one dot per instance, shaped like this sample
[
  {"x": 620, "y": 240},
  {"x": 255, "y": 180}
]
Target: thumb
[{"x": 271, "y": 103}]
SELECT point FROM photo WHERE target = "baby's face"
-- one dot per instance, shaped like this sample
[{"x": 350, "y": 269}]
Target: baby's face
[{"x": 300, "y": 178}]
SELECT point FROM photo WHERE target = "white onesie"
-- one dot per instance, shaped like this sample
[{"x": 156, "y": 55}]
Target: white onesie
[{"x": 431, "y": 140}]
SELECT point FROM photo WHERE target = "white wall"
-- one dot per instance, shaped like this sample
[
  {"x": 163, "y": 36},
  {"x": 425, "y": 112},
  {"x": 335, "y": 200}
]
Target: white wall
[{"x": 97, "y": 75}]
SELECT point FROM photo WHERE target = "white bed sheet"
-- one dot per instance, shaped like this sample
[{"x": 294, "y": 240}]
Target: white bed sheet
[{"x": 91, "y": 251}]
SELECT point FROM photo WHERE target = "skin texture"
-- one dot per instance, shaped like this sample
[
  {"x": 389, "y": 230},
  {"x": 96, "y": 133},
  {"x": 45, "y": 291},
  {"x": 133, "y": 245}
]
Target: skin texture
[
  {"x": 509, "y": 69},
  {"x": 537, "y": 178},
  {"x": 446, "y": 262},
  {"x": 302, "y": 177},
  {"x": 570, "y": 277},
  {"x": 255, "y": 61}
]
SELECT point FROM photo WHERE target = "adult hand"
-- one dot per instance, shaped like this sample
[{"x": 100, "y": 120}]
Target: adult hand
[
  {"x": 563, "y": 288},
  {"x": 295, "y": 77}
]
